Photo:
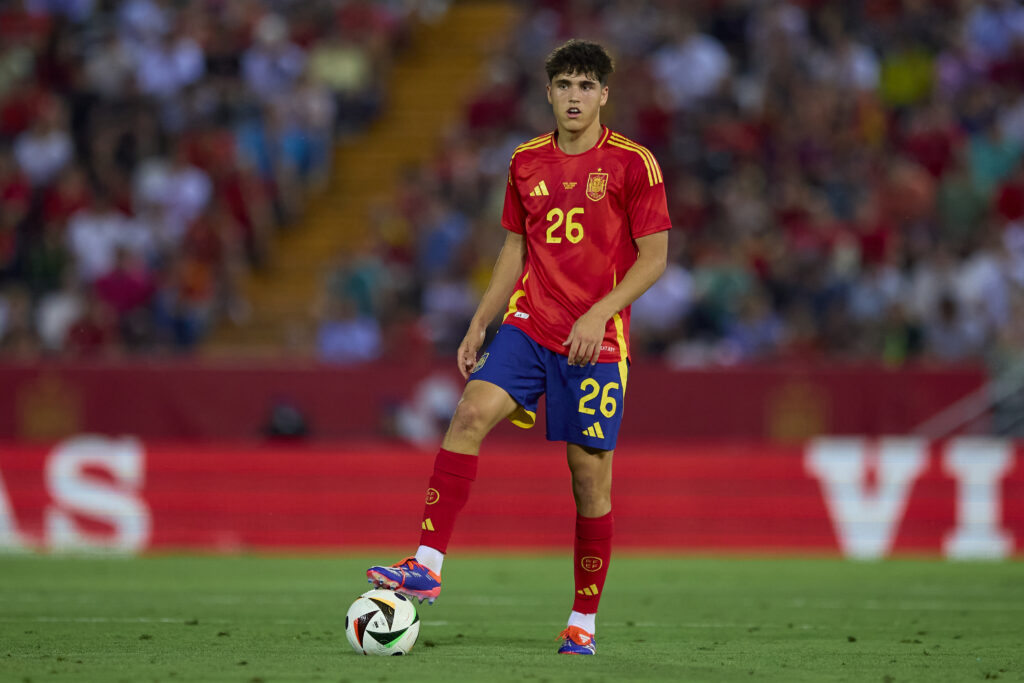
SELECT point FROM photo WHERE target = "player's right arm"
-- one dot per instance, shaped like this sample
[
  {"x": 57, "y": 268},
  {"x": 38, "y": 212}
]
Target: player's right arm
[{"x": 507, "y": 270}]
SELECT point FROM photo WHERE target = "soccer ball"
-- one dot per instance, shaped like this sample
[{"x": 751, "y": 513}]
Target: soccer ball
[{"x": 382, "y": 622}]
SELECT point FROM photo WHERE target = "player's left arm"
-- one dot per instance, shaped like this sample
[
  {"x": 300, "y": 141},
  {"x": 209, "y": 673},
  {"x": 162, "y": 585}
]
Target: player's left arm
[{"x": 587, "y": 333}]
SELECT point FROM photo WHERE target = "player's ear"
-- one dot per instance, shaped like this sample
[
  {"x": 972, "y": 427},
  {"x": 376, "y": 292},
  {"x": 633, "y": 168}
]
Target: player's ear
[
  {"x": 548, "y": 88},
  {"x": 604, "y": 95}
]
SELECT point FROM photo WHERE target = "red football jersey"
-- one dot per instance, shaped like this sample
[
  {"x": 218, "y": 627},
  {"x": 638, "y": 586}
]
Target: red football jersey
[{"x": 581, "y": 215}]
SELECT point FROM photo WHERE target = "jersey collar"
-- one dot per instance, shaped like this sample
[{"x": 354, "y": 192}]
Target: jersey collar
[{"x": 605, "y": 134}]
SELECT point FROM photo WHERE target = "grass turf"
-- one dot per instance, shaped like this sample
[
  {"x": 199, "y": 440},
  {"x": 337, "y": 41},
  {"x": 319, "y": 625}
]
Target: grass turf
[{"x": 253, "y": 619}]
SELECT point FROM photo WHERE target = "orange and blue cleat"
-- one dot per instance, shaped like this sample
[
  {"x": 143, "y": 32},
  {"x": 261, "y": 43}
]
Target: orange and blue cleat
[
  {"x": 408, "y": 577},
  {"x": 576, "y": 641}
]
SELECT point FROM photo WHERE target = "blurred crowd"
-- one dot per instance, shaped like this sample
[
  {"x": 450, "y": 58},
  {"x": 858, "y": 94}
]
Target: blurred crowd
[
  {"x": 150, "y": 149},
  {"x": 845, "y": 182}
]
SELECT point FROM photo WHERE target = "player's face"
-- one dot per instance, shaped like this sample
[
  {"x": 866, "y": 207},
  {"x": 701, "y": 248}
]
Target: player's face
[{"x": 576, "y": 100}]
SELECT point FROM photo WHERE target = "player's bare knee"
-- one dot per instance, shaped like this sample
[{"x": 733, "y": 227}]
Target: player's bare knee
[
  {"x": 590, "y": 489},
  {"x": 469, "y": 420}
]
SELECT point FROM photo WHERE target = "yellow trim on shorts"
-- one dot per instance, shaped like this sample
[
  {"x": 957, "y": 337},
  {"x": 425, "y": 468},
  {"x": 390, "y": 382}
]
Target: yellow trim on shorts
[{"x": 521, "y": 417}]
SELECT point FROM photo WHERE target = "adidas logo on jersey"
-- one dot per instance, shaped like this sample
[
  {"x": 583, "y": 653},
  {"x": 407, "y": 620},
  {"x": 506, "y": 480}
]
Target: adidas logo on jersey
[
  {"x": 589, "y": 590},
  {"x": 427, "y": 525},
  {"x": 541, "y": 190},
  {"x": 594, "y": 430}
]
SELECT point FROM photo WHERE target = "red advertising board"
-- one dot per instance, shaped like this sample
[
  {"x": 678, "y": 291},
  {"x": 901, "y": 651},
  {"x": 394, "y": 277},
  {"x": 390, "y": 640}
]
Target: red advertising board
[
  {"x": 854, "y": 496},
  {"x": 196, "y": 400}
]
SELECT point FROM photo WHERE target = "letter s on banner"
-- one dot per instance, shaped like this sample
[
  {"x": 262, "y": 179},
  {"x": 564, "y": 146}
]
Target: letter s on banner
[{"x": 118, "y": 504}]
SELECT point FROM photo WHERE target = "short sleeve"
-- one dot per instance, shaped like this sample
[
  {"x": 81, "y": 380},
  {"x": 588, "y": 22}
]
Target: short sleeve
[
  {"x": 513, "y": 215},
  {"x": 646, "y": 204}
]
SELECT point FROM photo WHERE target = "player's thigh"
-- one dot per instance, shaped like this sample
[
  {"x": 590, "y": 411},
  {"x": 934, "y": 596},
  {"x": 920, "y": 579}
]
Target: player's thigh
[
  {"x": 519, "y": 365},
  {"x": 482, "y": 406}
]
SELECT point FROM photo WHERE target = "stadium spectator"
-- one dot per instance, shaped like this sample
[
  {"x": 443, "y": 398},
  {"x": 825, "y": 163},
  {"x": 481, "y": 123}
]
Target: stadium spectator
[
  {"x": 94, "y": 332},
  {"x": 176, "y": 188},
  {"x": 166, "y": 64},
  {"x": 950, "y": 337},
  {"x": 127, "y": 289},
  {"x": 345, "y": 336},
  {"x": 756, "y": 331},
  {"x": 44, "y": 148},
  {"x": 991, "y": 27},
  {"x": 57, "y": 311},
  {"x": 47, "y": 259},
  {"x": 273, "y": 64},
  {"x": 657, "y": 316},
  {"x": 352, "y": 74},
  {"x": 692, "y": 66},
  {"x": 96, "y": 233},
  {"x": 17, "y": 332},
  {"x": 108, "y": 70}
]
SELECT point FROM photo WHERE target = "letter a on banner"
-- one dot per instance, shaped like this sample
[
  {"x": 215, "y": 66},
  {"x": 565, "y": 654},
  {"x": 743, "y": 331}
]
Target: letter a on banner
[
  {"x": 10, "y": 540},
  {"x": 978, "y": 465},
  {"x": 866, "y": 521}
]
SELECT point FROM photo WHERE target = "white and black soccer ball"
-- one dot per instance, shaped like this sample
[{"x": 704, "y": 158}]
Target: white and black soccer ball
[{"x": 382, "y": 622}]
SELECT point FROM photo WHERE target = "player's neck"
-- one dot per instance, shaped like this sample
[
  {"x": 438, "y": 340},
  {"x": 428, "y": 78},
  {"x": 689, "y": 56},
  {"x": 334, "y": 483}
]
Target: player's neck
[{"x": 578, "y": 142}]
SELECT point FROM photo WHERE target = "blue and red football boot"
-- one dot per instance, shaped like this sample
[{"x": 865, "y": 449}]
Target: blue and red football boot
[
  {"x": 576, "y": 641},
  {"x": 408, "y": 577}
]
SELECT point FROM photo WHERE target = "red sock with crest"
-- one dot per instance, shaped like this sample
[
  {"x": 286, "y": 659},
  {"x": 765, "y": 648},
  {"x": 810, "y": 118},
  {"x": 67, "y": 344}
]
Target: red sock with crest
[
  {"x": 591, "y": 553},
  {"x": 447, "y": 493}
]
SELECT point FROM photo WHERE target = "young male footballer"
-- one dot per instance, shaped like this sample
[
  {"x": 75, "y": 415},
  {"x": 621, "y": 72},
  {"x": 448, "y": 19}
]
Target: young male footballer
[{"x": 587, "y": 223}]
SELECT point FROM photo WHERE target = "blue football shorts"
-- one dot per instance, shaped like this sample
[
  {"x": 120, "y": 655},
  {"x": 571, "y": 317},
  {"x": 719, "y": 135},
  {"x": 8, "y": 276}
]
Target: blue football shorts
[{"x": 583, "y": 405}]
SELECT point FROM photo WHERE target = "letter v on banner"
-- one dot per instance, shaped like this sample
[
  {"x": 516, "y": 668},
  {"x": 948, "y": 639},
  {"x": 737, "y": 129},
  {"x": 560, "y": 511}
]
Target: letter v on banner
[{"x": 866, "y": 521}]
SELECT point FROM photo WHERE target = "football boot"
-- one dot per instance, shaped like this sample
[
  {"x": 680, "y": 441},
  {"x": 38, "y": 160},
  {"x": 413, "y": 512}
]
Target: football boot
[
  {"x": 576, "y": 641},
  {"x": 408, "y": 577}
]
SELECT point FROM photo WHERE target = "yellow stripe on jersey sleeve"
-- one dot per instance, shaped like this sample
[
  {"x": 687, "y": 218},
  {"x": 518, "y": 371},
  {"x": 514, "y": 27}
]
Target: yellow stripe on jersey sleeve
[
  {"x": 540, "y": 138},
  {"x": 529, "y": 144},
  {"x": 533, "y": 144},
  {"x": 651, "y": 164},
  {"x": 650, "y": 176},
  {"x": 648, "y": 156},
  {"x": 654, "y": 175}
]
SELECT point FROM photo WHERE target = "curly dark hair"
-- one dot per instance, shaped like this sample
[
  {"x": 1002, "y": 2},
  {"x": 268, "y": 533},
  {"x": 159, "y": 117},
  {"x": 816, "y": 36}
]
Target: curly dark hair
[{"x": 580, "y": 57}]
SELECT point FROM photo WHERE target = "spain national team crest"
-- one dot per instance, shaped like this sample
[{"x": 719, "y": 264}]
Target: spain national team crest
[
  {"x": 591, "y": 563},
  {"x": 597, "y": 186},
  {"x": 480, "y": 363}
]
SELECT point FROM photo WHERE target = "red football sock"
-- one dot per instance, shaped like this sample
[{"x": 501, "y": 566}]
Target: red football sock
[
  {"x": 447, "y": 494},
  {"x": 591, "y": 552}
]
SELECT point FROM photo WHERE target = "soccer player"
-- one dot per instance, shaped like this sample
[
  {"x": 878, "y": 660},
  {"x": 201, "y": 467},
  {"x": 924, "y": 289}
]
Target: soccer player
[{"x": 586, "y": 216}]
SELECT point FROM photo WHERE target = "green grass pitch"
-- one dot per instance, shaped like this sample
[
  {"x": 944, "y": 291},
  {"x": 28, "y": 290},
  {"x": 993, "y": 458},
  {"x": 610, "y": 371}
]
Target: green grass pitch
[{"x": 672, "y": 618}]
